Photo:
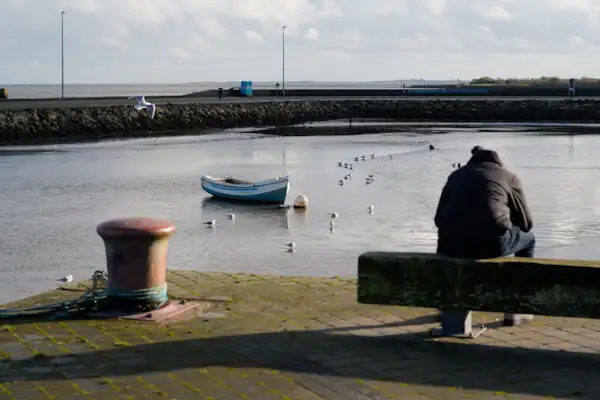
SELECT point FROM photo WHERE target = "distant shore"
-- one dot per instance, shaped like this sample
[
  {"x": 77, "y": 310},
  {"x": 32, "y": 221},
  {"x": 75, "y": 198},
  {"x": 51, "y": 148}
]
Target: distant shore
[{"x": 85, "y": 123}]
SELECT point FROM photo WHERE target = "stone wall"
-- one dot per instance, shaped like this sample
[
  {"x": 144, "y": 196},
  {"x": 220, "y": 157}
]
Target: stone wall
[{"x": 78, "y": 124}]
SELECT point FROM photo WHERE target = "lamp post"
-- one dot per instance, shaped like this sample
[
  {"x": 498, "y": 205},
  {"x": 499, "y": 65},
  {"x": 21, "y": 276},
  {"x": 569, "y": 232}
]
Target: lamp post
[
  {"x": 283, "y": 60},
  {"x": 62, "y": 55}
]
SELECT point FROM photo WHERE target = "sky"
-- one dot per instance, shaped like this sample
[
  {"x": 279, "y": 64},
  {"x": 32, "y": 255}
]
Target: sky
[{"x": 176, "y": 41}]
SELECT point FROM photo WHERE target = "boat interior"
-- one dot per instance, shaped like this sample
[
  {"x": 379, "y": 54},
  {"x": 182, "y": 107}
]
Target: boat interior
[{"x": 235, "y": 181}]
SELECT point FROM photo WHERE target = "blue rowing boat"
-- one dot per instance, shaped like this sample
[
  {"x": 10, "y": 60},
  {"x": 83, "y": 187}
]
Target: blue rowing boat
[{"x": 271, "y": 191}]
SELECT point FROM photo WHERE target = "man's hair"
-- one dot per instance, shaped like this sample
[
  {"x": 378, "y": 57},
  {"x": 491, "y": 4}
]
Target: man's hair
[{"x": 475, "y": 149}]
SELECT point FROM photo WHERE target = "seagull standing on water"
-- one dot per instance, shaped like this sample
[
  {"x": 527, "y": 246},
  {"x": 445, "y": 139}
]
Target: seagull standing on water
[
  {"x": 142, "y": 103},
  {"x": 66, "y": 279},
  {"x": 291, "y": 247},
  {"x": 210, "y": 224}
]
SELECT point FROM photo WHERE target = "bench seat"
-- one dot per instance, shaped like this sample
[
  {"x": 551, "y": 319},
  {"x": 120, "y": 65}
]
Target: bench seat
[{"x": 562, "y": 288}]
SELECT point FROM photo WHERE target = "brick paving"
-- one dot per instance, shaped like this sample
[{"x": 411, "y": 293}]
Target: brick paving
[{"x": 292, "y": 338}]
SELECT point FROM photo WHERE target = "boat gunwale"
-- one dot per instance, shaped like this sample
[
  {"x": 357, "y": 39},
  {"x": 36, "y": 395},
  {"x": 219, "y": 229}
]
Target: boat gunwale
[{"x": 219, "y": 182}]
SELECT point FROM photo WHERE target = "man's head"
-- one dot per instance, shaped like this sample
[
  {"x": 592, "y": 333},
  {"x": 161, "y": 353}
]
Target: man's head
[
  {"x": 481, "y": 155},
  {"x": 475, "y": 149}
]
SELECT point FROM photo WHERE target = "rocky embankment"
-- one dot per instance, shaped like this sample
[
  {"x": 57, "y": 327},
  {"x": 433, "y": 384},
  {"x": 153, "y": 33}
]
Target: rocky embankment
[{"x": 79, "y": 124}]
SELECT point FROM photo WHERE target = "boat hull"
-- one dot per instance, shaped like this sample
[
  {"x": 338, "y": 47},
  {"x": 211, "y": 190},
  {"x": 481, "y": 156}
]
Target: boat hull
[{"x": 272, "y": 191}]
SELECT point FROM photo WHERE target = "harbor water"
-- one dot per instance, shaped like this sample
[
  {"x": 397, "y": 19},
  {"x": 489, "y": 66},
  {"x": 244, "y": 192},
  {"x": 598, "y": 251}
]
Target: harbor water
[{"x": 53, "y": 197}]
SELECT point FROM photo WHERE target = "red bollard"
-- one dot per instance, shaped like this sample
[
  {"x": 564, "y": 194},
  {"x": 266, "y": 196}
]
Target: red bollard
[{"x": 136, "y": 262}]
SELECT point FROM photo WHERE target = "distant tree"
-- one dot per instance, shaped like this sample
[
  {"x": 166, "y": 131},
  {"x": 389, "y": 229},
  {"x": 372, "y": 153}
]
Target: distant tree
[{"x": 485, "y": 80}]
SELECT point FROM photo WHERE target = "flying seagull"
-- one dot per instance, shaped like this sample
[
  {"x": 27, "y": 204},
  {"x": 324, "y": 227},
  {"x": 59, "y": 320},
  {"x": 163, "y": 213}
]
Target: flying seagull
[{"x": 142, "y": 103}]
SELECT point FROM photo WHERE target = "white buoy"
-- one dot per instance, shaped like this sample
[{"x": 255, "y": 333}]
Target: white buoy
[{"x": 301, "y": 201}]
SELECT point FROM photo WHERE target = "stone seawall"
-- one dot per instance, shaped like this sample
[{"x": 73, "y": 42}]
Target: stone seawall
[{"x": 79, "y": 124}]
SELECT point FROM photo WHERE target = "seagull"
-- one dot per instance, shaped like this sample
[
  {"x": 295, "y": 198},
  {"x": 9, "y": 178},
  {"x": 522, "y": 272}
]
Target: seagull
[
  {"x": 291, "y": 247},
  {"x": 231, "y": 216},
  {"x": 66, "y": 279},
  {"x": 341, "y": 182},
  {"x": 142, "y": 103},
  {"x": 363, "y": 157},
  {"x": 334, "y": 215},
  {"x": 371, "y": 209},
  {"x": 372, "y": 156},
  {"x": 210, "y": 224},
  {"x": 339, "y": 163}
]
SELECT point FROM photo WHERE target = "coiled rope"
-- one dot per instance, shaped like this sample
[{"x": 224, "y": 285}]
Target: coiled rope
[{"x": 96, "y": 300}]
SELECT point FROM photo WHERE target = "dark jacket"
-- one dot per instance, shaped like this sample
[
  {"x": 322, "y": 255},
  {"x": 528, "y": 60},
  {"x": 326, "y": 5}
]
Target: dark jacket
[{"x": 481, "y": 201}]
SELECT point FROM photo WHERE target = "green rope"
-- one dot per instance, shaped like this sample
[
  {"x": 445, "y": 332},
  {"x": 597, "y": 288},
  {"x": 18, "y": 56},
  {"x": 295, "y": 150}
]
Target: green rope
[{"x": 95, "y": 300}]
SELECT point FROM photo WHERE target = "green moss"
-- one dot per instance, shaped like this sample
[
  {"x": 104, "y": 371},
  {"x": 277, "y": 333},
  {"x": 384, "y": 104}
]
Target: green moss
[{"x": 502, "y": 285}]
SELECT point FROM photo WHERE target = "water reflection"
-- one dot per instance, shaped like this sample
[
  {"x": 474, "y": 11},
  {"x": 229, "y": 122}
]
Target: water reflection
[{"x": 250, "y": 214}]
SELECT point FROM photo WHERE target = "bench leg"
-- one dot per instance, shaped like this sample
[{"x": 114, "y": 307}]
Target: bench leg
[
  {"x": 457, "y": 323},
  {"x": 517, "y": 319}
]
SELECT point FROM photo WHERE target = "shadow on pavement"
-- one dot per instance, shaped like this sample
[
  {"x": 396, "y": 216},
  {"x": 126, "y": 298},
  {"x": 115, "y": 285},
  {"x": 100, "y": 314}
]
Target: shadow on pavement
[{"x": 408, "y": 359}]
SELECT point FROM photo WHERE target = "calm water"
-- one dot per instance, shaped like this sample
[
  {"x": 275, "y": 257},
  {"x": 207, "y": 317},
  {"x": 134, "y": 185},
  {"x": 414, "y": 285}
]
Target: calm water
[
  {"x": 86, "y": 90},
  {"x": 51, "y": 201}
]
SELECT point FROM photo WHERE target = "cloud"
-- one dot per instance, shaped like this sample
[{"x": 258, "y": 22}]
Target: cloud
[
  {"x": 312, "y": 34},
  {"x": 192, "y": 40},
  {"x": 253, "y": 36}
]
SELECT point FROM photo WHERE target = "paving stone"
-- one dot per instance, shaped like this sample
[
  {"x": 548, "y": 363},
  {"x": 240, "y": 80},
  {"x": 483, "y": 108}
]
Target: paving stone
[{"x": 292, "y": 338}]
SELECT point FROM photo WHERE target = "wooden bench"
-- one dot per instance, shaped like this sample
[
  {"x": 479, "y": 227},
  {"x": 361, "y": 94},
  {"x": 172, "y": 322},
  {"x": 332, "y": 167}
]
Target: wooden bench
[{"x": 561, "y": 288}]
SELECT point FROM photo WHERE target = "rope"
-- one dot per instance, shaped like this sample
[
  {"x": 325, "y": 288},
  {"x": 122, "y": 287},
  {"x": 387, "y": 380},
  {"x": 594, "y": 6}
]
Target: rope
[{"x": 96, "y": 300}]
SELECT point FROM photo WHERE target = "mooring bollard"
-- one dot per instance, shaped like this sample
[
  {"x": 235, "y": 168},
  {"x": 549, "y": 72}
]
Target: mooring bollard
[{"x": 136, "y": 262}]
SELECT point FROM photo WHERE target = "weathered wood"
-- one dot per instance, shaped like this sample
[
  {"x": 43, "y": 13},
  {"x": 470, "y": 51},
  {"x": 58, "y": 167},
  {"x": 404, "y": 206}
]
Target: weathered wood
[{"x": 511, "y": 285}]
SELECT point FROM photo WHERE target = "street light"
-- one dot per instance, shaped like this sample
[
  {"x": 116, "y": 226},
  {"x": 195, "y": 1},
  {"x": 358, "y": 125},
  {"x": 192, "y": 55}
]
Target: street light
[
  {"x": 62, "y": 55},
  {"x": 283, "y": 60}
]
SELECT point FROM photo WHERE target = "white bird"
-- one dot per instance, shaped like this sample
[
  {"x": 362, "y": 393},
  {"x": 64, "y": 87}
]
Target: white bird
[
  {"x": 371, "y": 209},
  {"x": 363, "y": 157},
  {"x": 370, "y": 176},
  {"x": 142, "y": 103},
  {"x": 339, "y": 163},
  {"x": 372, "y": 156},
  {"x": 334, "y": 215},
  {"x": 341, "y": 182},
  {"x": 355, "y": 158},
  {"x": 211, "y": 224},
  {"x": 66, "y": 279},
  {"x": 231, "y": 216}
]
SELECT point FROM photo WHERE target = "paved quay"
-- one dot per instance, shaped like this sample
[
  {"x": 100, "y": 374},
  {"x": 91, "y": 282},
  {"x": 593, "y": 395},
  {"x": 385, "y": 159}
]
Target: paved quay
[
  {"x": 20, "y": 104},
  {"x": 291, "y": 338}
]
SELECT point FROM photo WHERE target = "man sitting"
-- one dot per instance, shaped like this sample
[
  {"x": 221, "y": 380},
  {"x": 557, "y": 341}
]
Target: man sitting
[{"x": 482, "y": 213}]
